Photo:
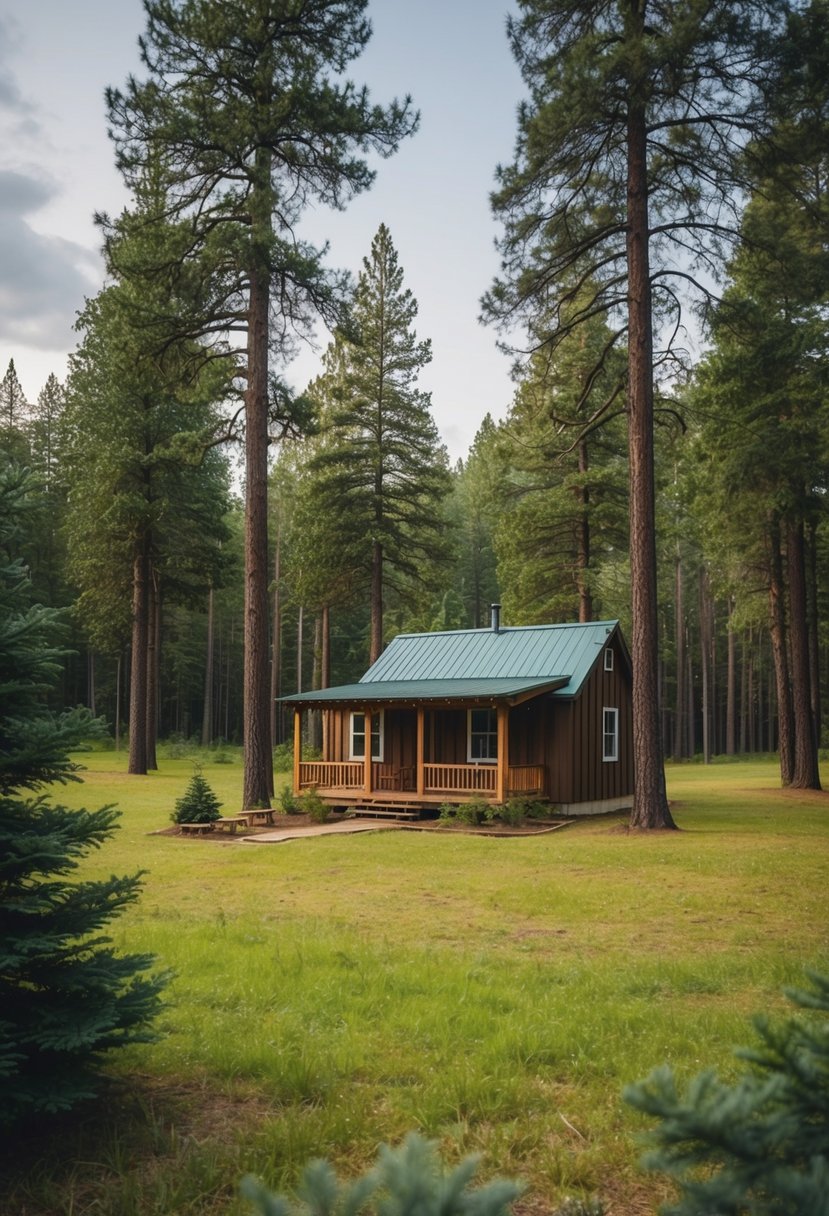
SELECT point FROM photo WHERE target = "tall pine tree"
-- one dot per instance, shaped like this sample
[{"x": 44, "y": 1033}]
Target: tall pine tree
[
  {"x": 246, "y": 109},
  {"x": 383, "y": 471},
  {"x": 627, "y": 177}
]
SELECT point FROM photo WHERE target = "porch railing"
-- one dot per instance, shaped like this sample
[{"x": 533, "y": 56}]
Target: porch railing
[
  {"x": 437, "y": 778},
  {"x": 459, "y": 778},
  {"x": 344, "y": 774}
]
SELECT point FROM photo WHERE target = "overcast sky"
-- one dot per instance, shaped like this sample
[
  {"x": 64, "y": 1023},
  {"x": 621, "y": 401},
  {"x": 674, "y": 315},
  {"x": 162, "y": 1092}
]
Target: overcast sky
[{"x": 56, "y": 170}]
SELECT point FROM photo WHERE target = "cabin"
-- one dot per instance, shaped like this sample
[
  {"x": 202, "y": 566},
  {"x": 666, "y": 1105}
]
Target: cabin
[{"x": 537, "y": 711}]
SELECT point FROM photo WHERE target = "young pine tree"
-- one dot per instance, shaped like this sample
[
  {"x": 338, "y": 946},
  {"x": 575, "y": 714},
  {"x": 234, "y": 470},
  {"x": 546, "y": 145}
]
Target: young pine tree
[
  {"x": 65, "y": 996},
  {"x": 760, "y": 1146}
]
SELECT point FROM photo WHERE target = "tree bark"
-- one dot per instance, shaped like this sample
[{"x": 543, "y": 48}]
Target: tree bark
[
  {"x": 779, "y": 650},
  {"x": 207, "y": 709},
  {"x": 137, "y": 762},
  {"x": 805, "y": 775},
  {"x": 258, "y": 759},
  {"x": 679, "y": 748},
  {"x": 376, "y": 639},
  {"x": 650, "y": 803},
  {"x": 583, "y": 543},
  {"x": 276, "y": 641},
  {"x": 730, "y": 699},
  {"x": 153, "y": 646}
]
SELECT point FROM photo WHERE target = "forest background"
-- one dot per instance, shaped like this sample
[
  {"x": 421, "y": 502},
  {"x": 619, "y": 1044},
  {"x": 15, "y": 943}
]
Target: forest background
[{"x": 373, "y": 530}]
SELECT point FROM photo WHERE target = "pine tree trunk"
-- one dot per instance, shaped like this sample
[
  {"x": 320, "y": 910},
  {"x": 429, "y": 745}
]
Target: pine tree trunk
[
  {"x": 730, "y": 698},
  {"x": 376, "y": 638},
  {"x": 779, "y": 649},
  {"x": 325, "y": 665},
  {"x": 650, "y": 805},
  {"x": 138, "y": 665},
  {"x": 814, "y": 643},
  {"x": 90, "y": 682},
  {"x": 258, "y": 759},
  {"x": 153, "y": 647},
  {"x": 299, "y": 643},
  {"x": 118, "y": 669},
  {"x": 679, "y": 637},
  {"x": 805, "y": 775},
  {"x": 314, "y": 718},
  {"x": 705, "y": 631},
  {"x": 207, "y": 707},
  {"x": 276, "y": 641},
  {"x": 583, "y": 543}
]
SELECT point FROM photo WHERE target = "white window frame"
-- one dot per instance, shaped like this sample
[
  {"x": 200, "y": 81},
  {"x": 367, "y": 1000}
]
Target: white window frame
[
  {"x": 490, "y": 734},
  {"x": 608, "y": 658},
  {"x": 377, "y": 716},
  {"x": 610, "y": 737}
]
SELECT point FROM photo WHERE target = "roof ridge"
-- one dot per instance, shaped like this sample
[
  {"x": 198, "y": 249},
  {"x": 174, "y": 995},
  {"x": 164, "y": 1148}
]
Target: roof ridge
[{"x": 486, "y": 629}]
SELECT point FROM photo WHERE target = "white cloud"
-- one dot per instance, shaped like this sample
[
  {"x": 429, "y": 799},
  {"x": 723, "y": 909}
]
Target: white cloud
[{"x": 43, "y": 278}]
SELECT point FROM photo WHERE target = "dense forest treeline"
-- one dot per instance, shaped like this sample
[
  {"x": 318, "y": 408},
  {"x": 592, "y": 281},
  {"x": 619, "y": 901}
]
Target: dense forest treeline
[{"x": 218, "y": 540}]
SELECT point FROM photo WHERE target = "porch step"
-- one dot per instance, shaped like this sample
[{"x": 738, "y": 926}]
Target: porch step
[{"x": 386, "y": 810}]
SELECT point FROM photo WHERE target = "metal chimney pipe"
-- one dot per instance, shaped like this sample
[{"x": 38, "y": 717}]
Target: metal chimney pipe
[{"x": 495, "y": 617}]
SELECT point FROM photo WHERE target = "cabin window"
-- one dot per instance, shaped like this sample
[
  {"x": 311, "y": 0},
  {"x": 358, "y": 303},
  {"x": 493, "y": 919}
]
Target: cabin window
[
  {"x": 358, "y": 736},
  {"x": 482, "y": 735},
  {"x": 608, "y": 658},
  {"x": 610, "y": 734}
]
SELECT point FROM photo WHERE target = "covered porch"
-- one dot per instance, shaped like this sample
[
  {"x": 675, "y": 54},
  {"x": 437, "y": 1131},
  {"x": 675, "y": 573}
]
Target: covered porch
[{"x": 416, "y": 755}]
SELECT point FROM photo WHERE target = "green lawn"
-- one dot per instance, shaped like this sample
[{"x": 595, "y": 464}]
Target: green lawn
[{"x": 495, "y": 994}]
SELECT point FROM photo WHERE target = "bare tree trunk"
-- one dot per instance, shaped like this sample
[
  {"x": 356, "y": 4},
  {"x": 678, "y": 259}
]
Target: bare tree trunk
[
  {"x": 679, "y": 638},
  {"x": 583, "y": 543},
  {"x": 705, "y": 632},
  {"x": 325, "y": 663},
  {"x": 376, "y": 637},
  {"x": 207, "y": 708},
  {"x": 138, "y": 665},
  {"x": 777, "y": 629},
  {"x": 276, "y": 640},
  {"x": 258, "y": 778},
  {"x": 118, "y": 670},
  {"x": 153, "y": 646},
  {"x": 814, "y": 644},
  {"x": 299, "y": 642},
  {"x": 90, "y": 682},
  {"x": 730, "y": 698},
  {"x": 650, "y": 804},
  {"x": 315, "y": 719},
  {"x": 806, "y": 775}
]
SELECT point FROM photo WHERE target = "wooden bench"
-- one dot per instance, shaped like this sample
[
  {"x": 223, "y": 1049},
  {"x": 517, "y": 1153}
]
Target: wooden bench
[
  {"x": 263, "y": 815},
  {"x": 195, "y": 829},
  {"x": 231, "y": 823}
]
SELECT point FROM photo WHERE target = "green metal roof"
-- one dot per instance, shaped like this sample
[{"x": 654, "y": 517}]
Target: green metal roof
[
  {"x": 468, "y": 664},
  {"x": 367, "y": 692}
]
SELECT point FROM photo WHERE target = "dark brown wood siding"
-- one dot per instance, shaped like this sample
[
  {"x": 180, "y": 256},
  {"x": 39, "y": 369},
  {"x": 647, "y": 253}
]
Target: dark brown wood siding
[{"x": 577, "y": 771}]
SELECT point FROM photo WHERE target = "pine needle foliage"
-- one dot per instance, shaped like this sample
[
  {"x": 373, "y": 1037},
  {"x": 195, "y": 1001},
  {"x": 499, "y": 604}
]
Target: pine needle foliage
[
  {"x": 761, "y": 1146},
  {"x": 407, "y": 1181},
  {"x": 66, "y": 997}
]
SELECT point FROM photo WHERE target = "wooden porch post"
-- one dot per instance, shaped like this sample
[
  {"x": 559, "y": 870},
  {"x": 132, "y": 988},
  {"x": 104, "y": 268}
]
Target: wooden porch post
[
  {"x": 421, "y": 734},
  {"x": 503, "y": 753},
  {"x": 367, "y": 754},
  {"x": 297, "y": 746}
]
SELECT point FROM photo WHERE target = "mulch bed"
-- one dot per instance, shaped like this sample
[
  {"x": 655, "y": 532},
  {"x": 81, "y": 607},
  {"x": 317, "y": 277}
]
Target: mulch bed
[{"x": 536, "y": 828}]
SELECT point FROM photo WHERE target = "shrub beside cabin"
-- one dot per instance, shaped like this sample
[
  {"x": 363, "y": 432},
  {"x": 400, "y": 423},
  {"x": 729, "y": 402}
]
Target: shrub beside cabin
[{"x": 539, "y": 711}]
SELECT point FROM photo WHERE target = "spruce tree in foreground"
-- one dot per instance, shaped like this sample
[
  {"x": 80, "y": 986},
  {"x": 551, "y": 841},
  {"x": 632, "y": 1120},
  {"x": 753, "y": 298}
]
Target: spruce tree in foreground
[
  {"x": 760, "y": 1146},
  {"x": 65, "y": 996}
]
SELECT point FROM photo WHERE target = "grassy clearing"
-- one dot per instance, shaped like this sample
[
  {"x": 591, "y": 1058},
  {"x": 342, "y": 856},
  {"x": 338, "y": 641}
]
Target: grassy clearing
[{"x": 495, "y": 994}]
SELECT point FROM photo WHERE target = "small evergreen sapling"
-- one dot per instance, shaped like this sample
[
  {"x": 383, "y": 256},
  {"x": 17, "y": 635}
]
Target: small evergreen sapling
[
  {"x": 405, "y": 1181},
  {"x": 760, "y": 1146},
  {"x": 198, "y": 803}
]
